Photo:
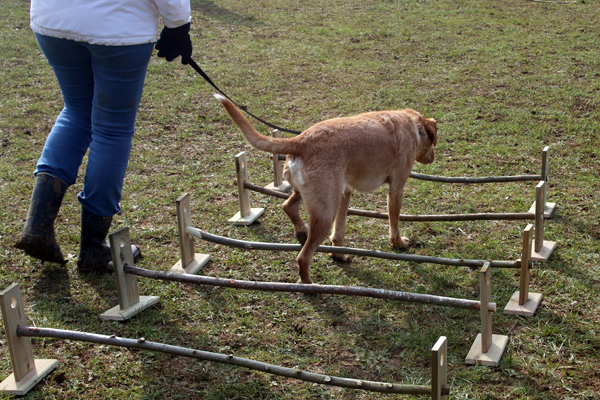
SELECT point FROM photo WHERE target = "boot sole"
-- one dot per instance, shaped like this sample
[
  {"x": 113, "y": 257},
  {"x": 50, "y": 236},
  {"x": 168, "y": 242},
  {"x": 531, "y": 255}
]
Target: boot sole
[{"x": 40, "y": 250}]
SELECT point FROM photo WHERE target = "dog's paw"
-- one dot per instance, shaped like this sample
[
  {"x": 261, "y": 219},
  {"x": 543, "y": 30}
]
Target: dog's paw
[
  {"x": 301, "y": 237},
  {"x": 341, "y": 258},
  {"x": 400, "y": 243}
]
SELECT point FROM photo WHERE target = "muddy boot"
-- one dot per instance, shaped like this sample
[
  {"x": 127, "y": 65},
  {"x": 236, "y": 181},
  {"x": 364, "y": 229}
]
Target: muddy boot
[
  {"x": 95, "y": 256},
  {"x": 37, "y": 237}
]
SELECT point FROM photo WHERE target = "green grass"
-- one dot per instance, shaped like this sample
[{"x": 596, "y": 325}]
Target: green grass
[{"x": 503, "y": 79}]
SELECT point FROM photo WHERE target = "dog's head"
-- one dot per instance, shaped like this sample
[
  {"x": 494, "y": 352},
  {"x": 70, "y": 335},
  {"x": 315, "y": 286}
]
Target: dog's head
[{"x": 428, "y": 135}]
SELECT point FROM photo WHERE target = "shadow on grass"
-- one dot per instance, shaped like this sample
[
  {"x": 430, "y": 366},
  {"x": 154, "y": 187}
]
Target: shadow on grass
[
  {"x": 209, "y": 8},
  {"x": 590, "y": 226},
  {"x": 53, "y": 280}
]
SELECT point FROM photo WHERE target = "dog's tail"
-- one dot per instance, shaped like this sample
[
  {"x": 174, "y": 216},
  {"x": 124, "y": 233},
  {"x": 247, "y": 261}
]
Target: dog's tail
[{"x": 260, "y": 142}]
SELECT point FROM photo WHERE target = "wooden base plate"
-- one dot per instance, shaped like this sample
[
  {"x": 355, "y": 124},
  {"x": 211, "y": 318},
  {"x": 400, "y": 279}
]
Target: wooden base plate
[
  {"x": 526, "y": 310},
  {"x": 283, "y": 187},
  {"x": 492, "y": 357},
  {"x": 118, "y": 314},
  {"x": 544, "y": 253},
  {"x": 200, "y": 260},
  {"x": 42, "y": 368},
  {"x": 249, "y": 219},
  {"x": 548, "y": 209}
]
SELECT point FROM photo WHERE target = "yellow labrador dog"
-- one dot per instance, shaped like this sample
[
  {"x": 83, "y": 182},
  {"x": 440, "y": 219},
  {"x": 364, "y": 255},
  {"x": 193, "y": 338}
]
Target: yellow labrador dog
[{"x": 329, "y": 160}]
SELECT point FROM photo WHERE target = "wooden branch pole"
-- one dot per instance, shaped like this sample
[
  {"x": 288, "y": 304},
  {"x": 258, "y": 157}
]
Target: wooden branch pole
[
  {"x": 306, "y": 376},
  {"x": 522, "y": 302},
  {"x": 27, "y": 371},
  {"x": 467, "y": 179},
  {"x": 248, "y": 245},
  {"x": 245, "y": 187},
  {"x": 130, "y": 302},
  {"x": 439, "y": 370},
  {"x": 487, "y": 348},
  {"x": 548, "y": 207},
  {"x": 542, "y": 249},
  {"x": 190, "y": 262},
  {"x": 278, "y": 182},
  {"x": 405, "y": 217},
  {"x": 246, "y": 215},
  {"x": 377, "y": 293}
]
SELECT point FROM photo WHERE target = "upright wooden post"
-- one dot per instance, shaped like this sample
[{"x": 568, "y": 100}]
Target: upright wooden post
[
  {"x": 246, "y": 215},
  {"x": 485, "y": 314},
  {"x": 130, "y": 302},
  {"x": 525, "y": 265},
  {"x": 545, "y": 171},
  {"x": 27, "y": 371},
  {"x": 439, "y": 369},
  {"x": 278, "y": 182},
  {"x": 543, "y": 249},
  {"x": 522, "y": 301},
  {"x": 545, "y": 174},
  {"x": 487, "y": 348},
  {"x": 190, "y": 262}
]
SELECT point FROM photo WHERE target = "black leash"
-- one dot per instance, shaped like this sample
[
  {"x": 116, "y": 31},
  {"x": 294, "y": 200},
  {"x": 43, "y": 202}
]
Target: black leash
[{"x": 207, "y": 78}]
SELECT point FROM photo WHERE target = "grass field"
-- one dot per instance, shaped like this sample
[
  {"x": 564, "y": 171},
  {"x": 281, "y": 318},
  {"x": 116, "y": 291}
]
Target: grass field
[{"x": 504, "y": 79}]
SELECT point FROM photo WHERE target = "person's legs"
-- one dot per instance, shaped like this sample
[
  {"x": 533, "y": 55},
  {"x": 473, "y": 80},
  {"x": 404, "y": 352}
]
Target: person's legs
[
  {"x": 64, "y": 149},
  {"x": 71, "y": 134},
  {"x": 101, "y": 88},
  {"x": 119, "y": 74}
]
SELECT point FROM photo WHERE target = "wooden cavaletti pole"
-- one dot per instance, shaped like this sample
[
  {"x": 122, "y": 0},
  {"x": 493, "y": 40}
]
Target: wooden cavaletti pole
[
  {"x": 142, "y": 343},
  {"x": 248, "y": 245}
]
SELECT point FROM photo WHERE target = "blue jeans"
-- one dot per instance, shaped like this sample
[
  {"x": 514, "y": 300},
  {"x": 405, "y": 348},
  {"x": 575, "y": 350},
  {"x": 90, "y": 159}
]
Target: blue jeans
[{"x": 101, "y": 88}]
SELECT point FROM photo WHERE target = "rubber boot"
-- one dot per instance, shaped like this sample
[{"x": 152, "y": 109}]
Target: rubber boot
[
  {"x": 37, "y": 237},
  {"x": 95, "y": 255}
]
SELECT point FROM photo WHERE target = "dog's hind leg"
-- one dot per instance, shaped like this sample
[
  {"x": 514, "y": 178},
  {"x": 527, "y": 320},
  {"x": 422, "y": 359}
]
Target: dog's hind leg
[
  {"x": 321, "y": 207},
  {"x": 319, "y": 228},
  {"x": 292, "y": 208},
  {"x": 394, "y": 205},
  {"x": 339, "y": 226}
]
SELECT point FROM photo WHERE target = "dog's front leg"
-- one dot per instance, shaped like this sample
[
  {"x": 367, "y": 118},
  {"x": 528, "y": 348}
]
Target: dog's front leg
[
  {"x": 394, "y": 205},
  {"x": 339, "y": 226}
]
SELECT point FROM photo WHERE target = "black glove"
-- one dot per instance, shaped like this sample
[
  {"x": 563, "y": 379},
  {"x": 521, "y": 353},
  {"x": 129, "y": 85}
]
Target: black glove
[{"x": 175, "y": 42}]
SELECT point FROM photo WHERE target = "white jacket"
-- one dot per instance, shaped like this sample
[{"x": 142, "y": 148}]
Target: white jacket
[{"x": 107, "y": 22}]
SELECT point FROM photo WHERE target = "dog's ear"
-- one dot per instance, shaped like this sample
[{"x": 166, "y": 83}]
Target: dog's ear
[{"x": 430, "y": 127}]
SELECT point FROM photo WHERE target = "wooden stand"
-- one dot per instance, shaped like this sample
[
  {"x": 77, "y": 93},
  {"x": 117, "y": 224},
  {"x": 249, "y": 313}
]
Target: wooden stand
[
  {"x": 27, "y": 371},
  {"x": 487, "y": 348},
  {"x": 439, "y": 369},
  {"x": 190, "y": 262},
  {"x": 278, "y": 182},
  {"x": 246, "y": 215},
  {"x": 522, "y": 302},
  {"x": 542, "y": 249},
  {"x": 548, "y": 207},
  {"x": 130, "y": 302}
]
